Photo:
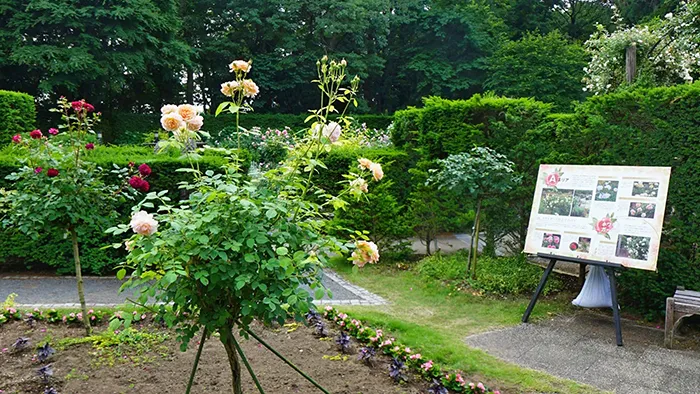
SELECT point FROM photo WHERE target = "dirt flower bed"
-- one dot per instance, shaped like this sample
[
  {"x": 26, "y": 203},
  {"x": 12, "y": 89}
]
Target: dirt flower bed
[{"x": 147, "y": 359}]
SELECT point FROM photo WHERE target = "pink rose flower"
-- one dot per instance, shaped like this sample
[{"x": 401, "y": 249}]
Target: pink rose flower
[
  {"x": 38, "y": 170},
  {"x": 144, "y": 170},
  {"x": 143, "y": 223},
  {"x": 604, "y": 225},
  {"x": 53, "y": 131},
  {"x": 16, "y": 138}
]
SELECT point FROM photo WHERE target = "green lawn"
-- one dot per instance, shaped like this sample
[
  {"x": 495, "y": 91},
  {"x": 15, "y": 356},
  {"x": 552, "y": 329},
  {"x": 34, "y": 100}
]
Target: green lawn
[{"x": 434, "y": 318}]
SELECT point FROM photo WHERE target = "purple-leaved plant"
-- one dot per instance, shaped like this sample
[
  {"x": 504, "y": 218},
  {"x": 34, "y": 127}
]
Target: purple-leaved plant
[
  {"x": 312, "y": 317},
  {"x": 437, "y": 388},
  {"x": 320, "y": 329},
  {"x": 45, "y": 373},
  {"x": 366, "y": 355},
  {"x": 50, "y": 390},
  {"x": 396, "y": 370},
  {"x": 44, "y": 352},
  {"x": 21, "y": 344},
  {"x": 343, "y": 341}
]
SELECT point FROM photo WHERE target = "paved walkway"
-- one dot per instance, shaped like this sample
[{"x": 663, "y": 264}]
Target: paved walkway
[
  {"x": 60, "y": 292},
  {"x": 582, "y": 347}
]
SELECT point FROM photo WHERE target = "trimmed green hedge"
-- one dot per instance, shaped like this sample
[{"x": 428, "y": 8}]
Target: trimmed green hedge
[
  {"x": 128, "y": 128},
  {"x": 17, "y": 115},
  {"x": 643, "y": 127},
  {"x": 54, "y": 250}
]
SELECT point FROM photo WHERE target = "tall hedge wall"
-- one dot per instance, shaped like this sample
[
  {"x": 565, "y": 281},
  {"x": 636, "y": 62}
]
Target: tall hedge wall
[
  {"x": 131, "y": 128},
  {"x": 54, "y": 250},
  {"x": 646, "y": 127},
  {"x": 17, "y": 114}
]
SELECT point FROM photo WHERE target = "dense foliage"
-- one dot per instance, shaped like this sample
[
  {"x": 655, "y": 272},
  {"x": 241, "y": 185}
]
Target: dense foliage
[{"x": 17, "y": 114}]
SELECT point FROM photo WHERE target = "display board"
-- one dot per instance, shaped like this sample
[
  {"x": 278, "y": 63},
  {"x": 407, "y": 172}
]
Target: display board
[{"x": 603, "y": 213}]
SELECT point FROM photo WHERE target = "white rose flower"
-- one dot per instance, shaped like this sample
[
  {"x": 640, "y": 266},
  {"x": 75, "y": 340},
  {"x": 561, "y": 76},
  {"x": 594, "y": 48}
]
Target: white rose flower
[
  {"x": 143, "y": 223},
  {"x": 168, "y": 109},
  {"x": 172, "y": 121},
  {"x": 332, "y": 131}
]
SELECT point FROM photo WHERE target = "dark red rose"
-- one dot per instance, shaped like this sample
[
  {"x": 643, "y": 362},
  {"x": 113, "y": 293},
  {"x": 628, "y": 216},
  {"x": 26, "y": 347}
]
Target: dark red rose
[
  {"x": 89, "y": 146},
  {"x": 52, "y": 172},
  {"x": 131, "y": 164},
  {"x": 144, "y": 170},
  {"x": 36, "y": 134},
  {"x": 79, "y": 106},
  {"x": 139, "y": 183}
]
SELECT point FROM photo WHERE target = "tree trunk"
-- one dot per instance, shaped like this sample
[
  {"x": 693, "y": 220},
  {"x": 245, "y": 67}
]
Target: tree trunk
[
  {"x": 475, "y": 238},
  {"x": 79, "y": 277},
  {"x": 229, "y": 345}
]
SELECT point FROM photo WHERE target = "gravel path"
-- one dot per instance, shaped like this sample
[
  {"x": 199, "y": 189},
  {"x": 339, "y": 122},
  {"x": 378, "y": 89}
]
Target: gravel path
[{"x": 60, "y": 291}]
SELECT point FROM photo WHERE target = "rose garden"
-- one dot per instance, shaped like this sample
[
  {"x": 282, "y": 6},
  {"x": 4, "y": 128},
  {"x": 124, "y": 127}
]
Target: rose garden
[{"x": 190, "y": 231}]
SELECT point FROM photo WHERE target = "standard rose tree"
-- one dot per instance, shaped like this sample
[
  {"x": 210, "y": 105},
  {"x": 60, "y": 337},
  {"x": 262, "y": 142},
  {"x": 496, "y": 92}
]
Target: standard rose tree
[
  {"x": 58, "y": 186},
  {"x": 244, "y": 248},
  {"x": 481, "y": 173}
]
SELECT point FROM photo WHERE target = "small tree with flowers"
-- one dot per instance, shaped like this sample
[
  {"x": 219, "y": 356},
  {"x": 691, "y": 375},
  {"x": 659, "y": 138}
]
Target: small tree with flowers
[
  {"x": 241, "y": 249},
  {"x": 59, "y": 187}
]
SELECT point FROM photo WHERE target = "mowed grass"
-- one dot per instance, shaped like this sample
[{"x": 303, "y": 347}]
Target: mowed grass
[{"x": 435, "y": 319}]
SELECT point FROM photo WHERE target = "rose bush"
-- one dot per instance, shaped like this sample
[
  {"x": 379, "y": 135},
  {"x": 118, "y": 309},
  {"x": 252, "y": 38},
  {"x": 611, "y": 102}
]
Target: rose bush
[
  {"x": 71, "y": 193},
  {"x": 242, "y": 248}
]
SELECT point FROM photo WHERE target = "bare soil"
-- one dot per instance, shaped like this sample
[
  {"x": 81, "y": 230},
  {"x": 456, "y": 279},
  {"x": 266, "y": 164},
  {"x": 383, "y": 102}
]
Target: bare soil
[{"x": 165, "y": 369}]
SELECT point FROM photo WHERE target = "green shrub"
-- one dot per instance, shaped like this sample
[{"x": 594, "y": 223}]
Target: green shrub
[
  {"x": 54, "y": 249},
  {"x": 511, "y": 276},
  {"x": 444, "y": 267},
  {"x": 131, "y": 128},
  {"x": 17, "y": 114}
]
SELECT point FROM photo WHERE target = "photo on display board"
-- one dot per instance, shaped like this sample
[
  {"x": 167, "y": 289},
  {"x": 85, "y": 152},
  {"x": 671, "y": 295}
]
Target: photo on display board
[
  {"x": 582, "y": 246},
  {"x": 645, "y": 189},
  {"x": 556, "y": 202},
  {"x": 551, "y": 241},
  {"x": 633, "y": 247},
  {"x": 606, "y": 191},
  {"x": 582, "y": 203},
  {"x": 642, "y": 210}
]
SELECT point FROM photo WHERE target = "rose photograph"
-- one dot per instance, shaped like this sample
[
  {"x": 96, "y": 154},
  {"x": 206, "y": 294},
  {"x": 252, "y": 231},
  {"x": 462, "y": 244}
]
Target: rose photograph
[
  {"x": 551, "y": 241},
  {"x": 605, "y": 225},
  {"x": 633, "y": 247},
  {"x": 556, "y": 202},
  {"x": 606, "y": 191},
  {"x": 645, "y": 189},
  {"x": 642, "y": 210},
  {"x": 583, "y": 245},
  {"x": 582, "y": 203}
]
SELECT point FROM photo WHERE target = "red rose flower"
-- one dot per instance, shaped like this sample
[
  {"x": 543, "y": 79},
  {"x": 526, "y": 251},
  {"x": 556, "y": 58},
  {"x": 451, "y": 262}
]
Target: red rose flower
[
  {"x": 52, "y": 172},
  {"x": 38, "y": 170},
  {"x": 131, "y": 164},
  {"x": 17, "y": 138},
  {"x": 139, "y": 184},
  {"x": 89, "y": 146},
  {"x": 604, "y": 225},
  {"x": 144, "y": 170},
  {"x": 79, "y": 106},
  {"x": 36, "y": 134},
  {"x": 552, "y": 179},
  {"x": 573, "y": 246}
]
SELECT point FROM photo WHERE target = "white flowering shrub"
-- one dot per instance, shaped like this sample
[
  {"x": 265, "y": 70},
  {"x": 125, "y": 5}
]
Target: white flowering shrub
[{"x": 668, "y": 52}]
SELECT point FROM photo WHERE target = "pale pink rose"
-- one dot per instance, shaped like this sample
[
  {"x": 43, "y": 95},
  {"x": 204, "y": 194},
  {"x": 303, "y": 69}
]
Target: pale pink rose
[
  {"x": 427, "y": 366},
  {"x": 377, "y": 171},
  {"x": 250, "y": 88},
  {"x": 187, "y": 111},
  {"x": 359, "y": 184},
  {"x": 229, "y": 88},
  {"x": 480, "y": 386},
  {"x": 171, "y": 121},
  {"x": 195, "y": 123},
  {"x": 332, "y": 131},
  {"x": 143, "y": 223},
  {"x": 365, "y": 252},
  {"x": 364, "y": 163},
  {"x": 168, "y": 109},
  {"x": 240, "y": 65},
  {"x": 459, "y": 379}
]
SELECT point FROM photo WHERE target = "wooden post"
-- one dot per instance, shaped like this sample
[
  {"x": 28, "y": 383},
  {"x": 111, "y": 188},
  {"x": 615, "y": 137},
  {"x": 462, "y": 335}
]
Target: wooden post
[
  {"x": 670, "y": 323},
  {"x": 631, "y": 62},
  {"x": 581, "y": 274}
]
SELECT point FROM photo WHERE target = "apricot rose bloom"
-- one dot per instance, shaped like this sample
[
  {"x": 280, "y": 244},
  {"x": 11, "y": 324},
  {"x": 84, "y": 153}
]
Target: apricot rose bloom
[
  {"x": 365, "y": 252},
  {"x": 187, "y": 111},
  {"x": 364, "y": 163},
  {"x": 172, "y": 121},
  {"x": 195, "y": 123},
  {"x": 377, "y": 171},
  {"x": 240, "y": 65},
  {"x": 359, "y": 184},
  {"x": 250, "y": 88},
  {"x": 143, "y": 223},
  {"x": 229, "y": 88}
]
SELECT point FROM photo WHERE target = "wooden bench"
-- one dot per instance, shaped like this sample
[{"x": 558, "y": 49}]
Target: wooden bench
[{"x": 683, "y": 304}]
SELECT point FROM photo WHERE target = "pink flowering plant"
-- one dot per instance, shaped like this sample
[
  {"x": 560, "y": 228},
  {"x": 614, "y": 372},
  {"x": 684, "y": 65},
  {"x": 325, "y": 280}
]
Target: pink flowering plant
[
  {"x": 243, "y": 248},
  {"x": 58, "y": 186},
  {"x": 377, "y": 340}
]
